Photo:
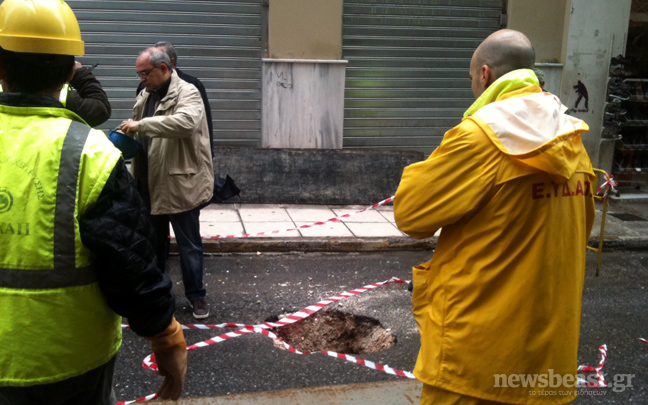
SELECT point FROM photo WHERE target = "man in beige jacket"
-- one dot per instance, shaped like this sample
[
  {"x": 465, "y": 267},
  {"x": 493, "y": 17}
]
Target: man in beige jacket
[{"x": 174, "y": 171}]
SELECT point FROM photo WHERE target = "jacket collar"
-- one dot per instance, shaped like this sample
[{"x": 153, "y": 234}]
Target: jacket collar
[
  {"x": 28, "y": 100},
  {"x": 512, "y": 81},
  {"x": 16, "y": 103},
  {"x": 168, "y": 100},
  {"x": 172, "y": 91}
]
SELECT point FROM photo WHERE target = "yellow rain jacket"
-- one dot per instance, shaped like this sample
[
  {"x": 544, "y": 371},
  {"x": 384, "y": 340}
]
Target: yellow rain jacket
[{"x": 511, "y": 188}]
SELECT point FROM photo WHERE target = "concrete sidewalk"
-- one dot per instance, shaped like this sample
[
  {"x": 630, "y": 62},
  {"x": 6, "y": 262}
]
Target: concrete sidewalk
[
  {"x": 229, "y": 228},
  {"x": 232, "y": 228}
]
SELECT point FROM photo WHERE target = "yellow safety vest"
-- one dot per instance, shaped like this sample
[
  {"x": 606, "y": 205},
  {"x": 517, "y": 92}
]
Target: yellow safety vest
[
  {"x": 54, "y": 321},
  {"x": 62, "y": 96}
]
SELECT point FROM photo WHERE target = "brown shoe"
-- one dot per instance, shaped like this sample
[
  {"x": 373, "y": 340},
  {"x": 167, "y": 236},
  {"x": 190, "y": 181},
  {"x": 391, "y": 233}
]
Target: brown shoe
[{"x": 200, "y": 309}]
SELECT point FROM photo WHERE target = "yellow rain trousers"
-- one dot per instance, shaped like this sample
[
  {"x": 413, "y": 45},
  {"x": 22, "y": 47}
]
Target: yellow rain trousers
[{"x": 499, "y": 305}]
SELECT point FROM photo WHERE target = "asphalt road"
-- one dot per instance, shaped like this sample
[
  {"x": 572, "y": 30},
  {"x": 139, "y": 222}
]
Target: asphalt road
[{"x": 252, "y": 288}]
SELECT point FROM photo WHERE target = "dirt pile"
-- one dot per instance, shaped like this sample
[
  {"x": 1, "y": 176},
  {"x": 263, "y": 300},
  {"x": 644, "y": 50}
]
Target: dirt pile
[{"x": 337, "y": 331}]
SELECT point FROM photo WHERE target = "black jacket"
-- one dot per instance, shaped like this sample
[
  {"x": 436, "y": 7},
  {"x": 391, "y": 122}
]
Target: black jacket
[
  {"x": 118, "y": 231},
  {"x": 203, "y": 94},
  {"x": 87, "y": 99}
]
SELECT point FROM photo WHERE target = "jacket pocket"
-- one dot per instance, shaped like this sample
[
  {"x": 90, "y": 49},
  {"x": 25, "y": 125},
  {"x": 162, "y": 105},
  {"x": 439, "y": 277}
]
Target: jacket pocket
[
  {"x": 182, "y": 157},
  {"x": 421, "y": 293}
]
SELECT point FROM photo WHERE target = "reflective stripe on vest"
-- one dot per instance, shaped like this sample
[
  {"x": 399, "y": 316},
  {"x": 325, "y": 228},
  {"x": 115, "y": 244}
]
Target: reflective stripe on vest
[
  {"x": 64, "y": 274},
  {"x": 62, "y": 95},
  {"x": 55, "y": 323}
]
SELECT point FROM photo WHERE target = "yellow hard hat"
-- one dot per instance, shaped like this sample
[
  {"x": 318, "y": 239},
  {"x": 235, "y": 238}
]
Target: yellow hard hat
[{"x": 40, "y": 26}]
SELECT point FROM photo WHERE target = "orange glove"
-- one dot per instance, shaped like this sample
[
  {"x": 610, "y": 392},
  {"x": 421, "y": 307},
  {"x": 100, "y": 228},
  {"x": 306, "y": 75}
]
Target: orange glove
[{"x": 170, "y": 350}]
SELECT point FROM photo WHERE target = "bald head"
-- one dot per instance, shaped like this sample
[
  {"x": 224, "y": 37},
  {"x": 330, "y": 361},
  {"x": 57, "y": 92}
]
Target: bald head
[
  {"x": 505, "y": 51},
  {"x": 500, "y": 53}
]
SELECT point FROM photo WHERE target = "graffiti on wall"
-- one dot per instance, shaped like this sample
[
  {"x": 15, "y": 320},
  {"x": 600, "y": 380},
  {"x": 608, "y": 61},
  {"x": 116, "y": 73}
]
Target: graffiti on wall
[{"x": 581, "y": 92}]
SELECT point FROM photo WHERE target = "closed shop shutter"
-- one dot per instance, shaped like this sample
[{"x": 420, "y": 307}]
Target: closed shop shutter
[
  {"x": 218, "y": 41},
  {"x": 407, "y": 80}
]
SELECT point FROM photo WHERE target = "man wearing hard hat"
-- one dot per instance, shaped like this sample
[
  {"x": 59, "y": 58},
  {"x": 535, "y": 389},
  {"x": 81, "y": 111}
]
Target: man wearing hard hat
[{"x": 77, "y": 248}]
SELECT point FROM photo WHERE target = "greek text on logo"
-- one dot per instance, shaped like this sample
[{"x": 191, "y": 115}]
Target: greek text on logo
[
  {"x": 6, "y": 200},
  {"x": 619, "y": 382}
]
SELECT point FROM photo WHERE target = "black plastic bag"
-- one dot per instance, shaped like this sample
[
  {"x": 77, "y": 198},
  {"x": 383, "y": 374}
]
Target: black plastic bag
[{"x": 224, "y": 189}]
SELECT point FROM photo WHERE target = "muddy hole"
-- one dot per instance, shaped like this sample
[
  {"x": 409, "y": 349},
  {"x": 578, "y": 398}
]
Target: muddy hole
[{"x": 336, "y": 331}]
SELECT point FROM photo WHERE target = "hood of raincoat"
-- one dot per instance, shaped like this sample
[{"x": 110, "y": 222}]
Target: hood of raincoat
[{"x": 529, "y": 125}]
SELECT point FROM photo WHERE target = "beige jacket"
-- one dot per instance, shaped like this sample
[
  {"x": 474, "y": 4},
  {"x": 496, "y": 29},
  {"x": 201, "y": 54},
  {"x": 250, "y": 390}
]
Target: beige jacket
[{"x": 180, "y": 170}]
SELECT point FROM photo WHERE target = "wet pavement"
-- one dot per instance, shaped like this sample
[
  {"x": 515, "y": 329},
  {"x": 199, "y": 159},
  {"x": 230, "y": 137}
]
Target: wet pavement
[
  {"x": 250, "y": 288},
  {"x": 266, "y": 260}
]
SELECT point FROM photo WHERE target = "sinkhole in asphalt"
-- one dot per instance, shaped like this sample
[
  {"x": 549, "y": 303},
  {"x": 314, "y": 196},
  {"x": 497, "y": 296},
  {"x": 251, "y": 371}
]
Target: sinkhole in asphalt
[{"x": 336, "y": 331}]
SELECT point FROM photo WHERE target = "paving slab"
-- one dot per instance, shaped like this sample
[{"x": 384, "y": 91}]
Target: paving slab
[
  {"x": 367, "y": 216},
  {"x": 310, "y": 214},
  {"x": 330, "y": 229},
  {"x": 264, "y": 214},
  {"x": 388, "y": 215},
  {"x": 219, "y": 214},
  {"x": 271, "y": 226},
  {"x": 215, "y": 228},
  {"x": 363, "y": 229}
]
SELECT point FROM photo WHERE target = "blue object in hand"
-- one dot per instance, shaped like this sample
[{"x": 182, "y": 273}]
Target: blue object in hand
[{"x": 128, "y": 146}]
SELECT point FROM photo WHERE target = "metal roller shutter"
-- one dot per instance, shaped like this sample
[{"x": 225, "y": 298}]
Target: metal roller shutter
[
  {"x": 218, "y": 41},
  {"x": 407, "y": 81}
]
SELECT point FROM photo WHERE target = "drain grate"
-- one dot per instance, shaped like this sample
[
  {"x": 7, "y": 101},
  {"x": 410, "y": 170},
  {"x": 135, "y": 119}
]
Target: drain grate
[
  {"x": 337, "y": 331},
  {"x": 623, "y": 216}
]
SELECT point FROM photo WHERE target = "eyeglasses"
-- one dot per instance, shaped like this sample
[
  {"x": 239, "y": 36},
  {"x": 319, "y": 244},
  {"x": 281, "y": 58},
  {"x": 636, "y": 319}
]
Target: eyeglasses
[{"x": 144, "y": 73}]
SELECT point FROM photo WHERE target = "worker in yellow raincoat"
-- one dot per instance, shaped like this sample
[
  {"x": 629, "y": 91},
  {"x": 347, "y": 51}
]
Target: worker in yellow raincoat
[{"x": 499, "y": 305}]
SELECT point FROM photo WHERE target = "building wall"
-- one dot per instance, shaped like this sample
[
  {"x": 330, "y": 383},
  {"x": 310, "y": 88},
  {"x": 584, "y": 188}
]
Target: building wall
[
  {"x": 408, "y": 76},
  {"x": 305, "y": 29},
  {"x": 303, "y": 103},
  {"x": 598, "y": 31},
  {"x": 303, "y": 78},
  {"x": 218, "y": 41},
  {"x": 574, "y": 41},
  {"x": 544, "y": 22}
]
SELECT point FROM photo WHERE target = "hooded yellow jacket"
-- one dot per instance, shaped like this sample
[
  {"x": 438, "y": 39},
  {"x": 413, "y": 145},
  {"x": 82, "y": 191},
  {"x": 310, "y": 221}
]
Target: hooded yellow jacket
[{"x": 511, "y": 188}]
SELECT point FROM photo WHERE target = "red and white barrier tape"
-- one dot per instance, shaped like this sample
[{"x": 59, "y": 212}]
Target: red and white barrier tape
[
  {"x": 609, "y": 183},
  {"x": 149, "y": 361},
  {"x": 299, "y": 315},
  {"x": 146, "y": 398},
  {"x": 644, "y": 340},
  {"x": 336, "y": 219},
  {"x": 292, "y": 318},
  {"x": 342, "y": 356},
  {"x": 600, "y": 378},
  {"x": 263, "y": 329}
]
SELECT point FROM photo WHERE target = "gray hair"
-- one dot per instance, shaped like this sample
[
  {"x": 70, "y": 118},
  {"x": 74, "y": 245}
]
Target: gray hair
[
  {"x": 168, "y": 48},
  {"x": 158, "y": 58}
]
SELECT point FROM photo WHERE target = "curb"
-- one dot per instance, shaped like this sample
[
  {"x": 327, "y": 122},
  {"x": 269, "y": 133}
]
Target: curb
[
  {"x": 621, "y": 243},
  {"x": 253, "y": 245},
  {"x": 376, "y": 244}
]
